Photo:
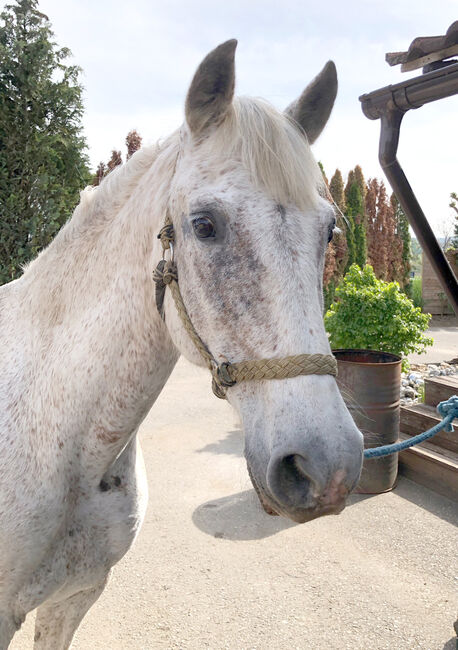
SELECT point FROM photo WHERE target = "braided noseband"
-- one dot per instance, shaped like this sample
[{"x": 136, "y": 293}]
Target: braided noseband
[{"x": 227, "y": 374}]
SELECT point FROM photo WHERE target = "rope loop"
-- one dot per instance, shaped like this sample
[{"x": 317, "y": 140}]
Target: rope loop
[
  {"x": 449, "y": 411},
  {"x": 166, "y": 235},
  {"x": 165, "y": 272},
  {"x": 449, "y": 408}
]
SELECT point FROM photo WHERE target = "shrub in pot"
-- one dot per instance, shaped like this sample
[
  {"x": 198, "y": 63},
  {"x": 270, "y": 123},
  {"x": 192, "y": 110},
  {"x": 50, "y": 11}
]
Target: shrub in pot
[
  {"x": 375, "y": 324},
  {"x": 372, "y": 314}
]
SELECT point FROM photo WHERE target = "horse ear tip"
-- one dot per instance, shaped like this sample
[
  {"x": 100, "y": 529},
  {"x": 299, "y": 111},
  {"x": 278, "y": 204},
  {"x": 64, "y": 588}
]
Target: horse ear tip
[
  {"x": 330, "y": 69},
  {"x": 229, "y": 46}
]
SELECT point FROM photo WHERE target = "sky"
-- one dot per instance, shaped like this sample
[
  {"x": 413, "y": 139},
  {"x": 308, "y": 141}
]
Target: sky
[{"x": 138, "y": 58}]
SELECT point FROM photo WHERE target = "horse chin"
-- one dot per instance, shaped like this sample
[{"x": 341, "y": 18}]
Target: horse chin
[
  {"x": 263, "y": 499},
  {"x": 303, "y": 515},
  {"x": 298, "y": 515}
]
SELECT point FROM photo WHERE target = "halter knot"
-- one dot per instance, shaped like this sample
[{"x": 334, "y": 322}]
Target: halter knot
[
  {"x": 166, "y": 235},
  {"x": 449, "y": 407},
  {"x": 165, "y": 272}
]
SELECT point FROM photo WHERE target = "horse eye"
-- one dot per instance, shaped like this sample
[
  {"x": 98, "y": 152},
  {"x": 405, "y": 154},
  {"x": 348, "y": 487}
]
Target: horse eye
[
  {"x": 331, "y": 231},
  {"x": 203, "y": 227}
]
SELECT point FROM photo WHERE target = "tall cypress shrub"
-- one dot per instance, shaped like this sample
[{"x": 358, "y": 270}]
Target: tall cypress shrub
[
  {"x": 355, "y": 209},
  {"x": 402, "y": 232},
  {"x": 43, "y": 164}
]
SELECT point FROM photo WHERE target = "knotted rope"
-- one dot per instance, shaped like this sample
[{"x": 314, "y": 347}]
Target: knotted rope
[
  {"x": 227, "y": 374},
  {"x": 449, "y": 411}
]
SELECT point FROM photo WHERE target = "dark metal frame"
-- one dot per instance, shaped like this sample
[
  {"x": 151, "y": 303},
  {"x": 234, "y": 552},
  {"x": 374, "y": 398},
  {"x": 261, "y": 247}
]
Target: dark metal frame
[{"x": 389, "y": 104}]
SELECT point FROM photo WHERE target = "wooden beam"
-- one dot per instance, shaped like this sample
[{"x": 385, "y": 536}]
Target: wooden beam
[{"x": 429, "y": 58}]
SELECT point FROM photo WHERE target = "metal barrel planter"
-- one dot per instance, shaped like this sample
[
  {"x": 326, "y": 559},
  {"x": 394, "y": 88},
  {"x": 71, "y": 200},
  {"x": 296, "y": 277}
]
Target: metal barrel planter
[{"x": 370, "y": 383}]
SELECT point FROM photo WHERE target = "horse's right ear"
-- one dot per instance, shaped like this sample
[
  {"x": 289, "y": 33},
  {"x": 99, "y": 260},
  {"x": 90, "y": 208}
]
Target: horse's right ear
[
  {"x": 313, "y": 108},
  {"x": 212, "y": 89}
]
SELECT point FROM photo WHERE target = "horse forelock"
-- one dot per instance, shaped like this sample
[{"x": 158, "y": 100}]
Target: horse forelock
[{"x": 274, "y": 150}]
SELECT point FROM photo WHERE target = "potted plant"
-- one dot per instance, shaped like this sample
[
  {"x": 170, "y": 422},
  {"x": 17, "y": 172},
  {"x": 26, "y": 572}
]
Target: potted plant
[{"x": 373, "y": 326}]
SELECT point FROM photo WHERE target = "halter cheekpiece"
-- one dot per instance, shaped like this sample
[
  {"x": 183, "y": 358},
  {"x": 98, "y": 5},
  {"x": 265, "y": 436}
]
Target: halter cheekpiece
[{"x": 227, "y": 374}]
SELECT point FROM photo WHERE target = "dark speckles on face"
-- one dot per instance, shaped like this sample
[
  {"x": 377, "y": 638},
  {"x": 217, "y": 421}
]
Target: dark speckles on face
[
  {"x": 237, "y": 291},
  {"x": 281, "y": 211},
  {"x": 104, "y": 486}
]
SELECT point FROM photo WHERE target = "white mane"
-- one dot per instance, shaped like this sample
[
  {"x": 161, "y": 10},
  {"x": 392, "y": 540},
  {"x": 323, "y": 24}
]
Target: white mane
[{"x": 274, "y": 149}]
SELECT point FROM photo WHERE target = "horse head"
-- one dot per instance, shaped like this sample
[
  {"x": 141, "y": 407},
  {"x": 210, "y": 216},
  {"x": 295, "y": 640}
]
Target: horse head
[{"x": 251, "y": 223}]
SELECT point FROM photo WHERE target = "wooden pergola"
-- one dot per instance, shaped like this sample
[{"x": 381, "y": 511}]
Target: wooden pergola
[{"x": 389, "y": 104}]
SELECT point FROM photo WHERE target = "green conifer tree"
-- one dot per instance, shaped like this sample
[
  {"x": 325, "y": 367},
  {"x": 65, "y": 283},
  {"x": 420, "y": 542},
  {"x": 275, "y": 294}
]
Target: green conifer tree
[
  {"x": 360, "y": 181},
  {"x": 355, "y": 210},
  {"x": 336, "y": 187},
  {"x": 402, "y": 232},
  {"x": 320, "y": 165},
  {"x": 43, "y": 165}
]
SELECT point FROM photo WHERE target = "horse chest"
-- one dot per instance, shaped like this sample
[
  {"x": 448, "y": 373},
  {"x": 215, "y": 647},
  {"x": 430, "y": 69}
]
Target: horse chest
[{"x": 98, "y": 526}]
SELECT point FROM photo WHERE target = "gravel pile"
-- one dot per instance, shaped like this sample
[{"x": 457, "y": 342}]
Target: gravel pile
[{"x": 413, "y": 381}]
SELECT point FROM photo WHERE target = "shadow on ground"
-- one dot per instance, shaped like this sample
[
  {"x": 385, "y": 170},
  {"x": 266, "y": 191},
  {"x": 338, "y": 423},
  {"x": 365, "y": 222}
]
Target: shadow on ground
[
  {"x": 238, "y": 517},
  {"x": 232, "y": 445},
  {"x": 424, "y": 498}
]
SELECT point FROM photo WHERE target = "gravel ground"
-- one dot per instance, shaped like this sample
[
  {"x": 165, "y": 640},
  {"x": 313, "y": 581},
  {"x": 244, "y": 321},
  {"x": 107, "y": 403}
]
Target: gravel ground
[{"x": 211, "y": 570}]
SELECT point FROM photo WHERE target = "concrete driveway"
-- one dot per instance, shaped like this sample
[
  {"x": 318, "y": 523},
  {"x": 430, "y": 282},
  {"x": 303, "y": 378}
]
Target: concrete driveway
[
  {"x": 444, "y": 331},
  {"x": 211, "y": 570}
]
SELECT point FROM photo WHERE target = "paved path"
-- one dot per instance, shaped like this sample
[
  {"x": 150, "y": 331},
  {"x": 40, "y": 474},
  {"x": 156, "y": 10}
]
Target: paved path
[
  {"x": 444, "y": 331},
  {"x": 211, "y": 570}
]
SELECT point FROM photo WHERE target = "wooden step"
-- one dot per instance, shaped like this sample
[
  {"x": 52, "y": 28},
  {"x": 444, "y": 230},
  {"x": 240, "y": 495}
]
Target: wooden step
[
  {"x": 438, "y": 389},
  {"x": 419, "y": 417},
  {"x": 436, "y": 470}
]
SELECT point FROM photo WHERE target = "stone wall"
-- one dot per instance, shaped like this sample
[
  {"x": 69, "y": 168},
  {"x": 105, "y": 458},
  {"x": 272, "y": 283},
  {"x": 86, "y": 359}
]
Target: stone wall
[{"x": 434, "y": 300}]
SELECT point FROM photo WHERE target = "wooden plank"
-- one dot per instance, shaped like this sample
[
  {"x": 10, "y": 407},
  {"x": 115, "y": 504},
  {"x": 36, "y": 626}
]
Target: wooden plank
[
  {"x": 438, "y": 389},
  {"x": 396, "y": 58},
  {"x": 419, "y": 417},
  {"x": 431, "y": 469},
  {"x": 429, "y": 58}
]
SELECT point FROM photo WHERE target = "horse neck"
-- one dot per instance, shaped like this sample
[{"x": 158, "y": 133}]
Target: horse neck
[{"x": 94, "y": 321}]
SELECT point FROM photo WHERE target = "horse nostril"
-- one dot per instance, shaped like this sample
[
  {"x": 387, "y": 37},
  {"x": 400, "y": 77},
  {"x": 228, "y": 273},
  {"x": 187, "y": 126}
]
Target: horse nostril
[{"x": 290, "y": 482}]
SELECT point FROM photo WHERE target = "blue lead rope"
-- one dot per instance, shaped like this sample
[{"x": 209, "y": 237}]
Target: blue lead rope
[{"x": 448, "y": 410}]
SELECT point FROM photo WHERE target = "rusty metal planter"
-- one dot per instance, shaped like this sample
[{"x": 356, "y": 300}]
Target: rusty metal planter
[{"x": 370, "y": 383}]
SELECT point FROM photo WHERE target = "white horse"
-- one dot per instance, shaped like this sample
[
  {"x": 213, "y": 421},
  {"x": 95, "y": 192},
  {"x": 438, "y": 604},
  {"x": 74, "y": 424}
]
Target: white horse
[{"x": 85, "y": 353}]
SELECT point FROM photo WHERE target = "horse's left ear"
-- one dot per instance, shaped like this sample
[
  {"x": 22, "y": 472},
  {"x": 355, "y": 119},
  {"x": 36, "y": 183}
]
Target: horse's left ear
[
  {"x": 314, "y": 106},
  {"x": 212, "y": 89}
]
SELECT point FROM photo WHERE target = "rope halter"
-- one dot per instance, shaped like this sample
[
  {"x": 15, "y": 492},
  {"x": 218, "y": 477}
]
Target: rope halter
[{"x": 227, "y": 374}]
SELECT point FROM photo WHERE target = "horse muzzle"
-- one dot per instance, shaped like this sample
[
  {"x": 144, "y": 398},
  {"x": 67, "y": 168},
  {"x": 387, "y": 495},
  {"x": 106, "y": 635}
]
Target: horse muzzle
[{"x": 296, "y": 488}]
